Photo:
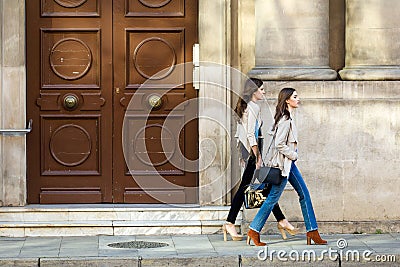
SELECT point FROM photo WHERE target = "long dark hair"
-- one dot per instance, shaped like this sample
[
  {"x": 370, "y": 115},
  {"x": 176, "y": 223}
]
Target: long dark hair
[
  {"x": 250, "y": 87},
  {"x": 281, "y": 107}
]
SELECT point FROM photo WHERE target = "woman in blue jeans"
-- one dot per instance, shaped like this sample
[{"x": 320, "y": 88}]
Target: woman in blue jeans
[{"x": 284, "y": 155}]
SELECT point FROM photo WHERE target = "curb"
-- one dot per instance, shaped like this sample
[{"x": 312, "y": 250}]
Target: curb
[{"x": 221, "y": 261}]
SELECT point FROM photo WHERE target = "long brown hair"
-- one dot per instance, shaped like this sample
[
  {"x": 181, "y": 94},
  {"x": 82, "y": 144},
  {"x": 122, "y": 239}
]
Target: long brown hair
[
  {"x": 281, "y": 107},
  {"x": 250, "y": 87}
]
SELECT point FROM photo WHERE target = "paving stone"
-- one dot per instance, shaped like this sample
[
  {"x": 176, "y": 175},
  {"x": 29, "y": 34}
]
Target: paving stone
[
  {"x": 65, "y": 252},
  {"x": 7, "y": 252},
  {"x": 188, "y": 242},
  {"x": 39, "y": 253},
  {"x": 42, "y": 242},
  {"x": 119, "y": 253}
]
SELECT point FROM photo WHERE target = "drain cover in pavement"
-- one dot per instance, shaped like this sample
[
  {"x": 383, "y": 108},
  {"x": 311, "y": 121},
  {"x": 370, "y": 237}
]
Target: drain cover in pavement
[{"x": 138, "y": 244}]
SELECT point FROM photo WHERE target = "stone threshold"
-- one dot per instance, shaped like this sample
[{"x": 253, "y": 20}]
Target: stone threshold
[{"x": 111, "y": 219}]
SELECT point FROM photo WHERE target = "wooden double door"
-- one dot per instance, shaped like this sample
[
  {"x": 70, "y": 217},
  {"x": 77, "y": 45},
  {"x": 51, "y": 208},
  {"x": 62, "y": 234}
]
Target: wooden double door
[{"x": 86, "y": 60}]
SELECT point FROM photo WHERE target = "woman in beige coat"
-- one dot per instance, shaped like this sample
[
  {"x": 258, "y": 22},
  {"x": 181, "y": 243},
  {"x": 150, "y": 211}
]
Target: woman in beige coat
[{"x": 284, "y": 155}]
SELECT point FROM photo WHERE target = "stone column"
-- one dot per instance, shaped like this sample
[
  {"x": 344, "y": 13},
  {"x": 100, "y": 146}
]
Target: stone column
[
  {"x": 12, "y": 102},
  {"x": 292, "y": 40},
  {"x": 372, "y": 40},
  {"x": 213, "y": 101}
]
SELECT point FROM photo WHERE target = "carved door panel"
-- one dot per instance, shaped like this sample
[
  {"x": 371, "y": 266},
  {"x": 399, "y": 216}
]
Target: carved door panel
[
  {"x": 70, "y": 100},
  {"x": 155, "y": 38},
  {"x": 85, "y": 59}
]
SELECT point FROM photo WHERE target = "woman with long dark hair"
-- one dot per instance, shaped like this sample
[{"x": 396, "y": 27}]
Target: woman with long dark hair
[
  {"x": 286, "y": 154},
  {"x": 250, "y": 120}
]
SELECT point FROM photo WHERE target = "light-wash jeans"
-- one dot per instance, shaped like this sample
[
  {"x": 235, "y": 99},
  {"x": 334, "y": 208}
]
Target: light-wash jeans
[{"x": 297, "y": 181}]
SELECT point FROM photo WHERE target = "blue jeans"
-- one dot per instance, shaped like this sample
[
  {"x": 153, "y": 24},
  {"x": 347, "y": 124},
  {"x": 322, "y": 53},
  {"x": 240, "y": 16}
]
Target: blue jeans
[
  {"x": 262, "y": 215},
  {"x": 297, "y": 181}
]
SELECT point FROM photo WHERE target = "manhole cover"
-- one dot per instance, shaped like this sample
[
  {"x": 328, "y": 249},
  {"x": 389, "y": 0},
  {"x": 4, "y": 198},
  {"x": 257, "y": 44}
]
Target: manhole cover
[{"x": 138, "y": 244}]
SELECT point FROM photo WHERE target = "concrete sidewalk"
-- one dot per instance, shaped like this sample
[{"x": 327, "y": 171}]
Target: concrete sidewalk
[{"x": 200, "y": 250}]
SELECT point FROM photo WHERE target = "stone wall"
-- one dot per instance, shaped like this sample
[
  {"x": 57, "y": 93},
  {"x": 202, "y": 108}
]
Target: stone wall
[
  {"x": 214, "y": 143},
  {"x": 349, "y": 144}
]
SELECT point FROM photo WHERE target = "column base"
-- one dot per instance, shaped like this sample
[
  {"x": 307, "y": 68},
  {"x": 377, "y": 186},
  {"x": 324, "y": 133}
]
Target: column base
[
  {"x": 293, "y": 73},
  {"x": 380, "y": 73}
]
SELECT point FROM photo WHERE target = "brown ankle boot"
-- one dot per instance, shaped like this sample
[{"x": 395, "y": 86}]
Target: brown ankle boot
[
  {"x": 253, "y": 235},
  {"x": 314, "y": 235}
]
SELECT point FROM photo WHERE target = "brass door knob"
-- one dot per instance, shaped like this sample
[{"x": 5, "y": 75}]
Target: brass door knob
[
  {"x": 155, "y": 101},
  {"x": 71, "y": 102}
]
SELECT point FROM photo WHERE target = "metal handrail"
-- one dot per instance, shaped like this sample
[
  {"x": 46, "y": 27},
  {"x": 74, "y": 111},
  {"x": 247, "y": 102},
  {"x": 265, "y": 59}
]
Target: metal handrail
[{"x": 18, "y": 131}]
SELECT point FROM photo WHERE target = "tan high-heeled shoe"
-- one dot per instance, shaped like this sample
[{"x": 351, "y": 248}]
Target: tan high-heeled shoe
[
  {"x": 234, "y": 236},
  {"x": 282, "y": 229},
  {"x": 314, "y": 235},
  {"x": 253, "y": 235}
]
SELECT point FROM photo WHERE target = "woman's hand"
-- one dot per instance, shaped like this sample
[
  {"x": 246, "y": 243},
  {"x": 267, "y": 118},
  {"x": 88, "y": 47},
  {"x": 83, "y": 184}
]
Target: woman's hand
[
  {"x": 258, "y": 163},
  {"x": 259, "y": 159},
  {"x": 296, "y": 156}
]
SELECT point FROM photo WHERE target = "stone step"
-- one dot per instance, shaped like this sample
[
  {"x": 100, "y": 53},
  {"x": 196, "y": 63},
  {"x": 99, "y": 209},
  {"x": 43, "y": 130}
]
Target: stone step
[
  {"x": 111, "y": 212},
  {"x": 107, "y": 219}
]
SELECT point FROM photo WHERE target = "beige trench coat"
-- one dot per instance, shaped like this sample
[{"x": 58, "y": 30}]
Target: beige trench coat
[{"x": 283, "y": 150}]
